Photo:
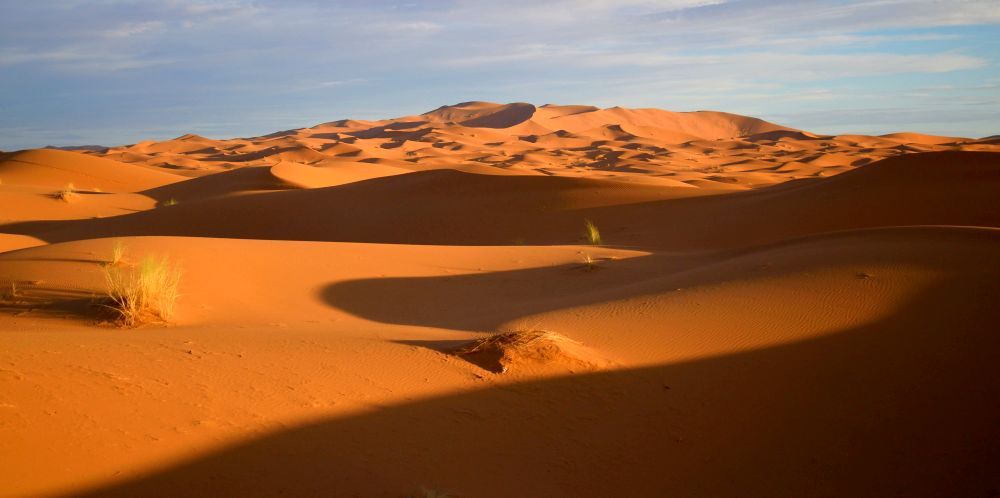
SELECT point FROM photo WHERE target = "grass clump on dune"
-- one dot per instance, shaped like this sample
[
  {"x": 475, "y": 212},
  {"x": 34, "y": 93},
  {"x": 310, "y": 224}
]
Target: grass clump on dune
[
  {"x": 117, "y": 254},
  {"x": 144, "y": 293},
  {"x": 10, "y": 292},
  {"x": 591, "y": 233},
  {"x": 67, "y": 194}
]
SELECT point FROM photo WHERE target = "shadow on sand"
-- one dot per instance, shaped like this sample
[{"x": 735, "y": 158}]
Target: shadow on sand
[
  {"x": 485, "y": 301},
  {"x": 906, "y": 406}
]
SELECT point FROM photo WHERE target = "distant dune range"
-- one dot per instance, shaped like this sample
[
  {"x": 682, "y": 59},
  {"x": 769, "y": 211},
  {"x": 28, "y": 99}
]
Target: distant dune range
[
  {"x": 772, "y": 312},
  {"x": 704, "y": 149}
]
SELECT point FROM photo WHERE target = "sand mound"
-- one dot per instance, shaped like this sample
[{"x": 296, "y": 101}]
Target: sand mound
[
  {"x": 330, "y": 173},
  {"x": 56, "y": 168},
  {"x": 509, "y": 351}
]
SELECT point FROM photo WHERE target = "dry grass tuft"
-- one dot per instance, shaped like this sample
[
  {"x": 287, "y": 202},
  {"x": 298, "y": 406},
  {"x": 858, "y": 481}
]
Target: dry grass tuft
[
  {"x": 170, "y": 202},
  {"x": 118, "y": 251},
  {"x": 67, "y": 194},
  {"x": 592, "y": 234},
  {"x": 144, "y": 293},
  {"x": 10, "y": 291}
]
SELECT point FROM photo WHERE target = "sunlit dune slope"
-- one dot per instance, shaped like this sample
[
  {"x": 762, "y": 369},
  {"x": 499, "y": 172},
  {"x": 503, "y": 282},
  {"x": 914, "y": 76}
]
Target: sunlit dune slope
[{"x": 56, "y": 169}]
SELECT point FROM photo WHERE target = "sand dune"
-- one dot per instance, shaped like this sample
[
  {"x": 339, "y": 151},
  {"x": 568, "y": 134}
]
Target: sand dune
[
  {"x": 55, "y": 169},
  {"x": 455, "y": 208},
  {"x": 562, "y": 140},
  {"x": 770, "y": 312}
]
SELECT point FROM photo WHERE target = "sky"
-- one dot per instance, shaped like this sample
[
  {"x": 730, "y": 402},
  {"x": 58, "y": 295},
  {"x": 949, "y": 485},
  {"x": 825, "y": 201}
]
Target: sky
[{"x": 113, "y": 72}]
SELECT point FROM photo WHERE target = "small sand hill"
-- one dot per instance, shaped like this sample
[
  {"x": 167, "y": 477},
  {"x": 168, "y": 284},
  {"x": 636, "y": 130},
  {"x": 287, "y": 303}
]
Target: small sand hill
[
  {"x": 529, "y": 349},
  {"x": 331, "y": 173},
  {"x": 56, "y": 168}
]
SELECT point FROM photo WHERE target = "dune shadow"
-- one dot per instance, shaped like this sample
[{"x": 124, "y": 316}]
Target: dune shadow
[
  {"x": 33, "y": 299},
  {"x": 485, "y": 301},
  {"x": 448, "y": 207},
  {"x": 445, "y": 346},
  {"x": 905, "y": 406}
]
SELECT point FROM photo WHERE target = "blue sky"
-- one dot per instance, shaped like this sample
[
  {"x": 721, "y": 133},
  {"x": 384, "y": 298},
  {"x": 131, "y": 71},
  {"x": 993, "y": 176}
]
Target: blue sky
[{"x": 115, "y": 71}]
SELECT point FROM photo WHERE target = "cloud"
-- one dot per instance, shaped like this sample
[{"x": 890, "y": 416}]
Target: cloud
[
  {"x": 131, "y": 29},
  {"x": 308, "y": 57}
]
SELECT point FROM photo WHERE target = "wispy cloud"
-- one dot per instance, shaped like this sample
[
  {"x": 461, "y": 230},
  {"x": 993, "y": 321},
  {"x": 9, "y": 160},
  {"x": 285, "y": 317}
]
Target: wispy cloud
[{"x": 75, "y": 63}]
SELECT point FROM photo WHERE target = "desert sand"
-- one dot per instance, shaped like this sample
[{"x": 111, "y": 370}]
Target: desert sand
[{"x": 770, "y": 312}]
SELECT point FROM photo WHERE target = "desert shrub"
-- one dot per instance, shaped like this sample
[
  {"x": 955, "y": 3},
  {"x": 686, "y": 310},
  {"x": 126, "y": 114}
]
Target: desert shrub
[
  {"x": 592, "y": 234},
  {"x": 10, "y": 291},
  {"x": 67, "y": 194},
  {"x": 143, "y": 293},
  {"x": 118, "y": 251}
]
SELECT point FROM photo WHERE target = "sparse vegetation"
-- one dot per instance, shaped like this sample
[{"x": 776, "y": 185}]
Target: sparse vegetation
[
  {"x": 10, "y": 291},
  {"x": 67, "y": 194},
  {"x": 143, "y": 293},
  {"x": 592, "y": 234},
  {"x": 170, "y": 202},
  {"x": 118, "y": 251},
  {"x": 589, "y": 263}
]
